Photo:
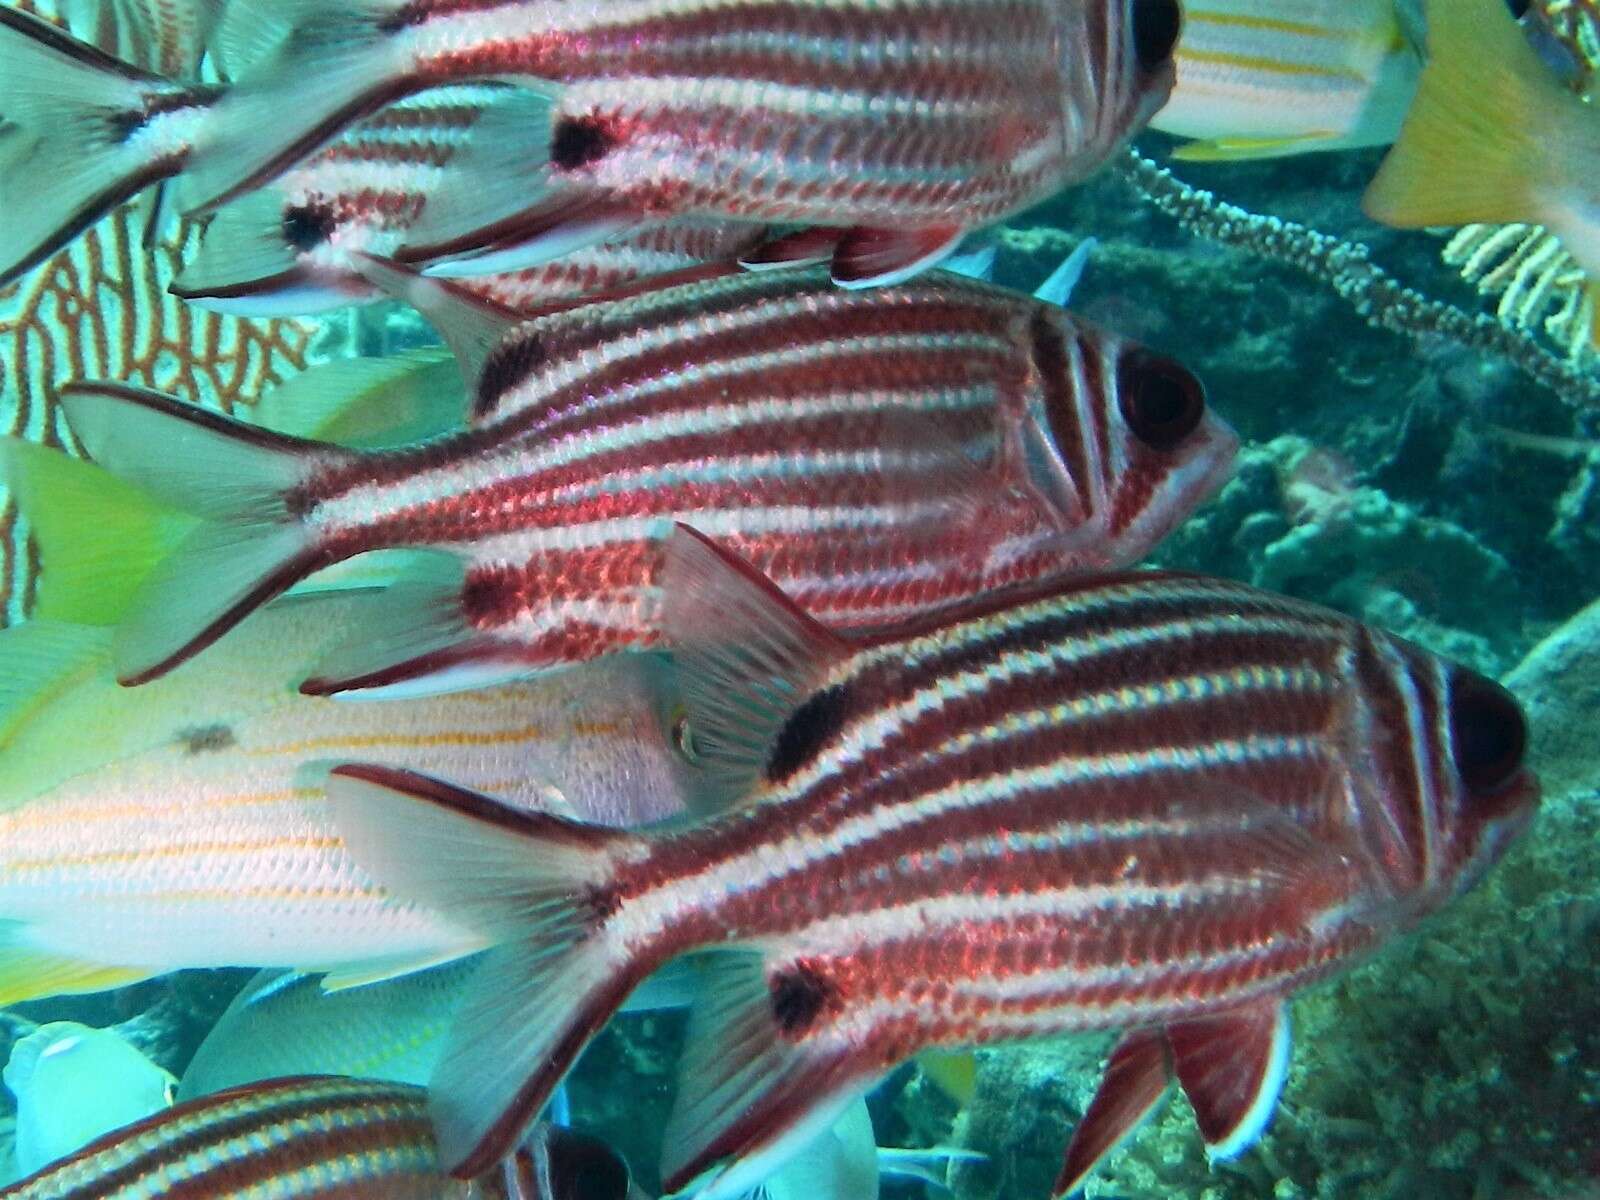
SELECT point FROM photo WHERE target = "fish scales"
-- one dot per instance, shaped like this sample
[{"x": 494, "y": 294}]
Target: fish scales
[
  {"x": 773, "y": 87},
  {"x": 904, "y": 124},
  {"x": 1160, "y": 803},
  {"x": 878, "y": 453},
  {"x": 303, "y": 1138}
]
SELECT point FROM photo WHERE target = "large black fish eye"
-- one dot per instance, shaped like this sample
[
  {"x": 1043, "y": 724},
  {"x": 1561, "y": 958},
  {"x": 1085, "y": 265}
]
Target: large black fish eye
[
  {"x": 1488, "y": 733},
  {"x": 1156, "y": 25},
  {"x": 1161, "y": 400}
]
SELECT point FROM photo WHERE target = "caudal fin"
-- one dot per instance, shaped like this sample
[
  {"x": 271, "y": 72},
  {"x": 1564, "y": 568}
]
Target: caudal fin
[
  {"x": 76, "y": 143},
  {"x": 310, "y": 69},
  {"x": 532, "y": 882},
  {"x": 1474, "y": 144},
  {"x": 98, "y": 537},
  {"x": 248, "y": 546}
]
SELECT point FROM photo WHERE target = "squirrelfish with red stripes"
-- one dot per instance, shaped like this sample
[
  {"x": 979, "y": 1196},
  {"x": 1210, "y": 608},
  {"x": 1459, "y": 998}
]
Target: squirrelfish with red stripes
[
  {"x": 315, "y": 1138},
  {"x": 1155, "y": 803},
  {"x": 880, "y": 453},
  {"x": 288, "y": 249},
  {"x": 906, "y": 125}
]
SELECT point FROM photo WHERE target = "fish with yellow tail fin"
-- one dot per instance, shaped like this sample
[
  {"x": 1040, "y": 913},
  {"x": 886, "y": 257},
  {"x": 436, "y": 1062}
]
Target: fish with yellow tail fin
[
  {"x": 1494, "y": 136},
  {"x": 1270, "y": 78},
  {"x": 192, "y": 831}
]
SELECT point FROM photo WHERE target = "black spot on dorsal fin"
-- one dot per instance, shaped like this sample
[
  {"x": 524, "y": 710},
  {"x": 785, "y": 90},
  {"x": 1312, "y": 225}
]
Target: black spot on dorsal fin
[
  {"x": 807, "y": 730},
  {"x": 205, "y": 739},
  {"x": 507, "y": 365},
  {"x": 799, "y": 995},
  {"x": 578, "y": 141}
]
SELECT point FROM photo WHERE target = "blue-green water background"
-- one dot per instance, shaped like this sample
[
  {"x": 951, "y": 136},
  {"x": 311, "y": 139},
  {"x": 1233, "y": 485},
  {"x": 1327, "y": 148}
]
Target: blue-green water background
[{"x": 1390, "y": 478}]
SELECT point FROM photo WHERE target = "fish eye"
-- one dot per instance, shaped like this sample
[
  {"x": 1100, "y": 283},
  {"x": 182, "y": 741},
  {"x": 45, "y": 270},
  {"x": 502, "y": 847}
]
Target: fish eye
[
  {"x": 1156, "y": 25},
  {"x": 683, "y": 740},
  {"x": 1161, "y": 399},
  {"x": 1488, "y": 733}
]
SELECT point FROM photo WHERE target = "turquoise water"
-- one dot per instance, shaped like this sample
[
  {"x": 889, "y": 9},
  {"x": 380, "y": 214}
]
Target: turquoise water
[{"x": 1428, "y": 487}]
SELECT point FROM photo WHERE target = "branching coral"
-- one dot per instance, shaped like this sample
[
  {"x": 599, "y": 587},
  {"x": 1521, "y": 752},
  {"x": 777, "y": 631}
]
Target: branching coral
[{"x": 1347, "y": 267}]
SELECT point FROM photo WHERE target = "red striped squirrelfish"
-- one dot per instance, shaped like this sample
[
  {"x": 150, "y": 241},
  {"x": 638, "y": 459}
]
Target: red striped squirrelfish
[
  {"x": 880, "y": 453},
  {"x": 905, "y": 124},
  {"x": 1155, "y": 803},
  {"x": 314, "y": 1138},
  {"x": 92, "y": 131},
  {"x": 290, "y": 248}
]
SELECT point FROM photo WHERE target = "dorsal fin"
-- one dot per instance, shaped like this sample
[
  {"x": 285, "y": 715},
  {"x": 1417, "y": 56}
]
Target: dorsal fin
[{"x": 748, "y": 657}]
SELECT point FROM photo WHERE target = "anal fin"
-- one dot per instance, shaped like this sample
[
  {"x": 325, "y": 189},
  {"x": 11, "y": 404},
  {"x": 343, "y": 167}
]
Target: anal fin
[
  {"x": 803, "y": 247},
  {"x": 867, "y": 257},
  {"x": 28, "y": 974},
  {"x": 1232, "y": 1067}
]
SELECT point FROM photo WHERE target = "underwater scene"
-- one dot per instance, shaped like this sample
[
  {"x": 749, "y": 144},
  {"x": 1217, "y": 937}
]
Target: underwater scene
[{"x": 806, "y": 599}]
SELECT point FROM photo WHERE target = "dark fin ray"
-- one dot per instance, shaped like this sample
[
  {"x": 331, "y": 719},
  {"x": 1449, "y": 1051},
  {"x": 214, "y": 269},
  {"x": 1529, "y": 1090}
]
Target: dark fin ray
[
  {"x": 315, "y": 69},
  {"x": 747, "y": 656},
  {"x": 470, "y": 325},
  {"x": 747, "y": 1096}
]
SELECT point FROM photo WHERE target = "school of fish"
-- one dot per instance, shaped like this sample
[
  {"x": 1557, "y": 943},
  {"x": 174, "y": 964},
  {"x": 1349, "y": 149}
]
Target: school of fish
[{"x": 750, "y": 586}]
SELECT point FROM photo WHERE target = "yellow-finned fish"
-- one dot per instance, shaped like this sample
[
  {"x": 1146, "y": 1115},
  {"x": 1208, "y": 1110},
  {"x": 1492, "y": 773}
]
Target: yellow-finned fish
[
  {"x": 1269, "y": 78},
  {"x": 190, "y": 829},
  {"x": 1495, "y": 137}
]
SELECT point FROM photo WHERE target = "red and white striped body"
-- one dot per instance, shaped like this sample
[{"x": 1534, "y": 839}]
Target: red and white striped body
[
  {"x": 287, "y": 249},
  {"x": 880, "y": 454},
  {"x": 1137, "y": 801},
  {"x": 926, "y": 115},
  {"x": 828, "y": 438}
]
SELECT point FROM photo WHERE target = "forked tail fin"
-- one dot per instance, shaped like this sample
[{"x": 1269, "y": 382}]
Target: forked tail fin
[
  {"x": 249, "y": 546},
  {"x": 531, "y": 881},
  {"x": 78, "y": 141},
  {"x": 310, "y": 70}
]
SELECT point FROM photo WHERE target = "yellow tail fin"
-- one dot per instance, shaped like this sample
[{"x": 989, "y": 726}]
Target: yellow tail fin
[
  {"x": 98, "y": 536},
  {"x": 1472, "y": 149}
]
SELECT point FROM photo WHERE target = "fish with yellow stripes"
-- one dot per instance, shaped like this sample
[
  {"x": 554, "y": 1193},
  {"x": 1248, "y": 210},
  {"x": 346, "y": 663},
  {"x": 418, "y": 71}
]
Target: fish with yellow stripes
[
  {"x": 191, "y": 829},
  {"x": 1269, "y": 78}
]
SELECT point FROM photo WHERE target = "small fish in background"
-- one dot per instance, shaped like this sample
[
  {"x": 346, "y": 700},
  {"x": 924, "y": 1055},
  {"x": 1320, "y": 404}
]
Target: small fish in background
[
  {"x": 905, "y": 128},
  {"x": 1494, "y": 136},
  {"x": 1155, "y": 803},
  {"x": 317, "y": 1139},
  {"x": 1270, "y": 78},
  {"x": 882, "y": 453},
  {"x": 74, "y": 1084}
]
